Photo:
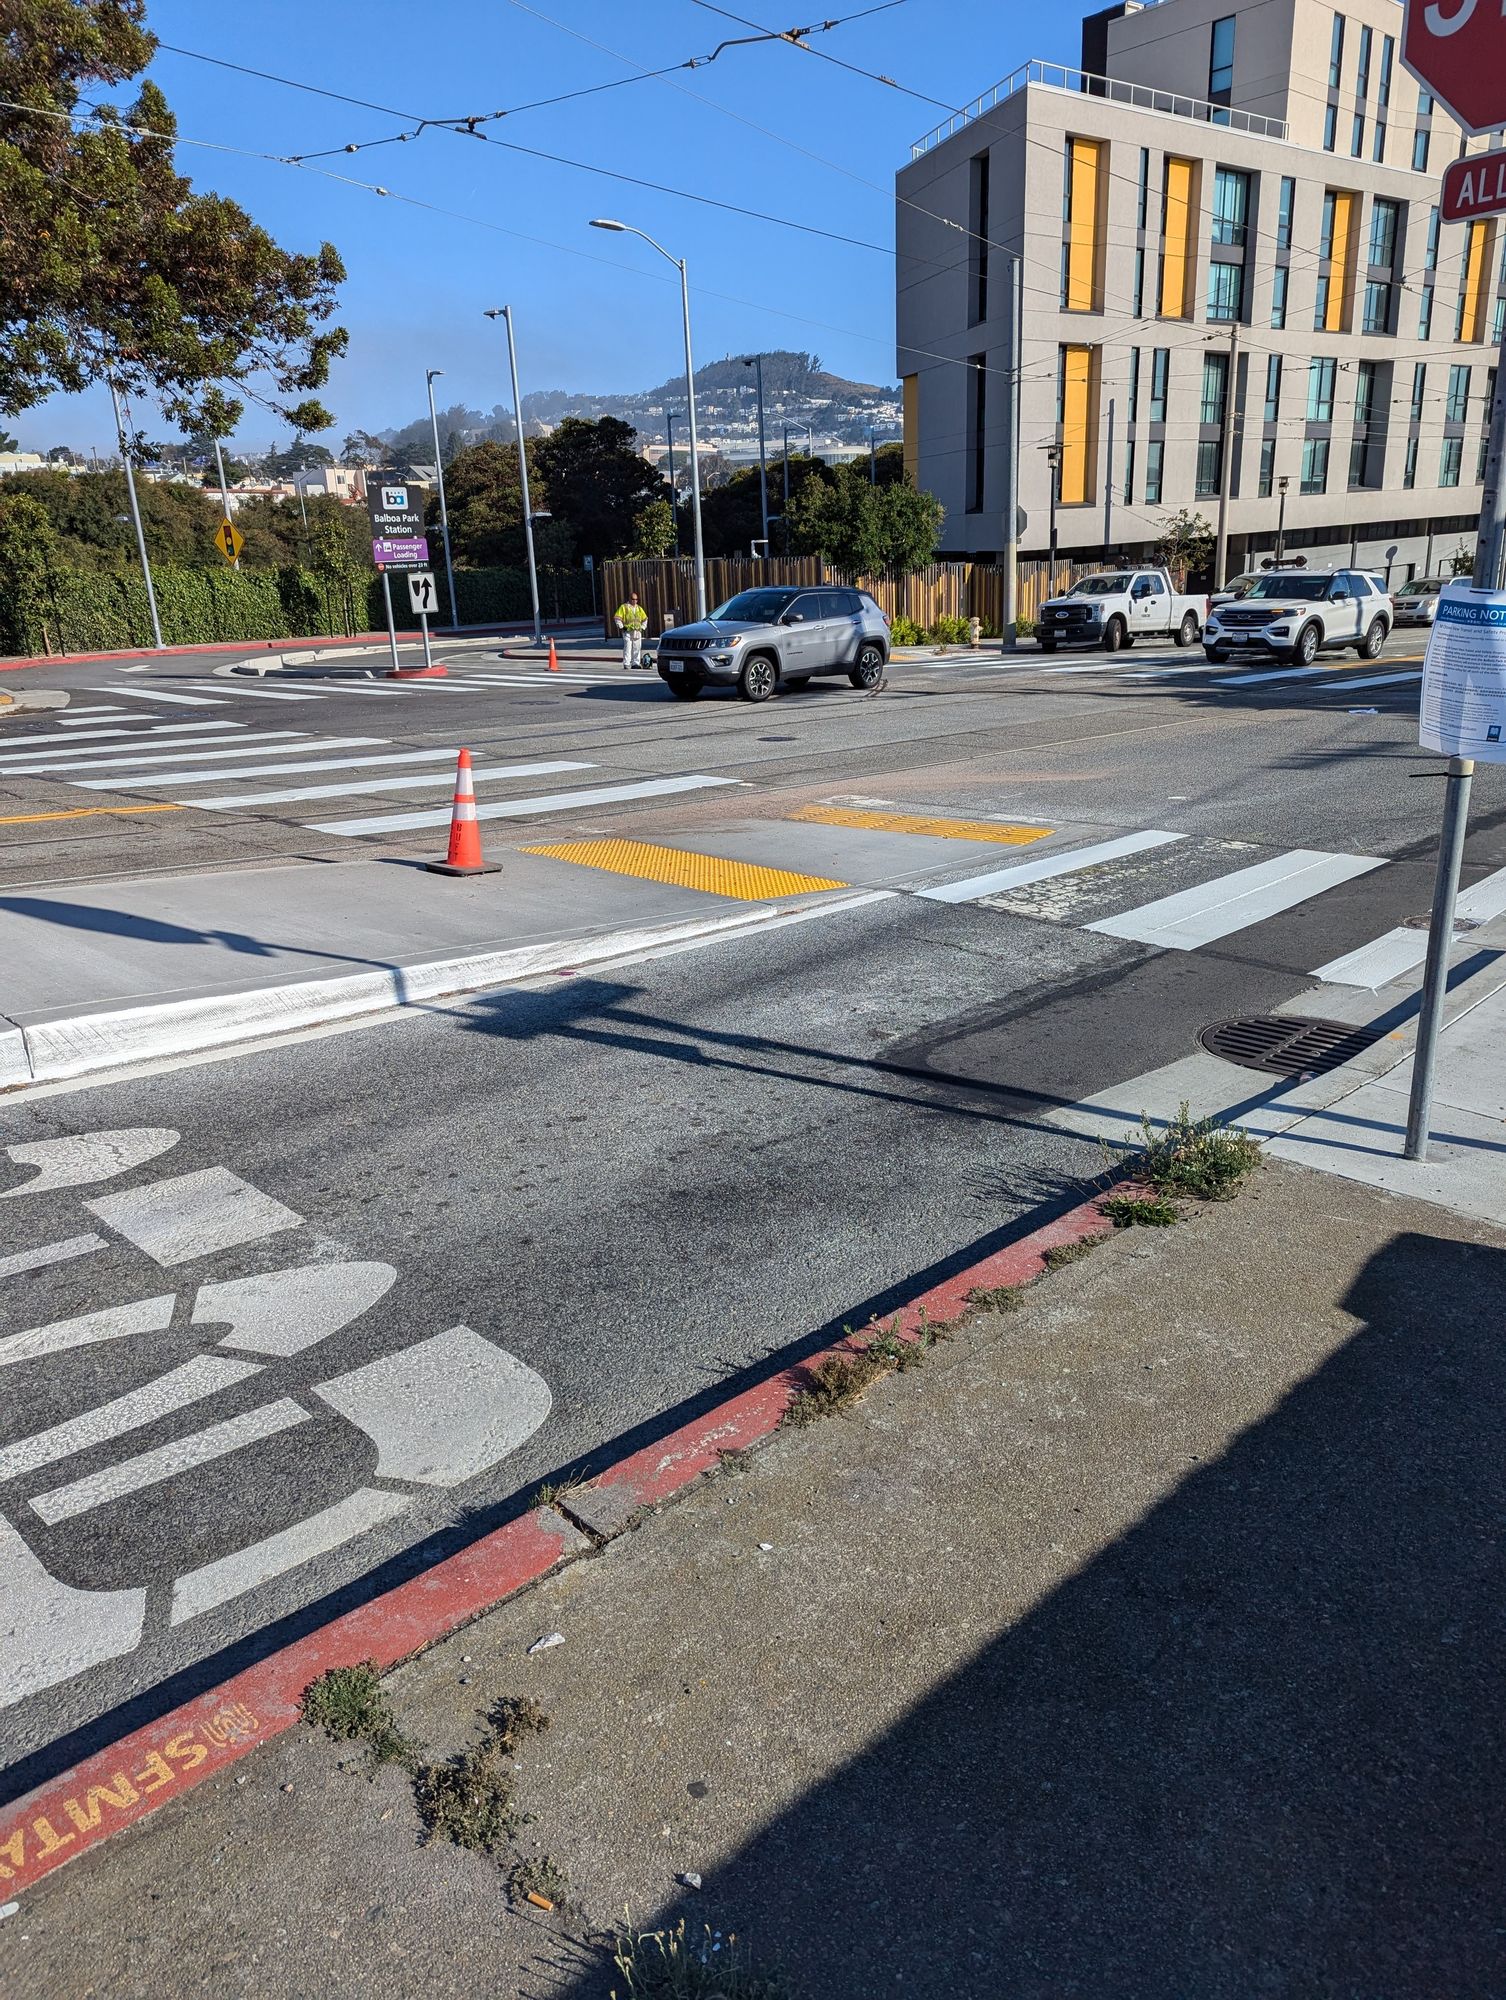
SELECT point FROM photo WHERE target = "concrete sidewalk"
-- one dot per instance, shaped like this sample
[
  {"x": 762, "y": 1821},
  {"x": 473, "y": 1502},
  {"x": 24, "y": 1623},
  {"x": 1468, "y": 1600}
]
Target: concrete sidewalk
[{"x": 1142, "y": 1641}]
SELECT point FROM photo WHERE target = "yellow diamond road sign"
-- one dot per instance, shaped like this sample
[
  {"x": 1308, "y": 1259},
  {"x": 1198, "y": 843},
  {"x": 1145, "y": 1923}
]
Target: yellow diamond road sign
[{"x": 229, "y": 540}]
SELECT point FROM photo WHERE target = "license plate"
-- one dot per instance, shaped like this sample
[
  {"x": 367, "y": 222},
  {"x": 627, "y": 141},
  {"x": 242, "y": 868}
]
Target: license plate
[{"x": 674, "y": 666}]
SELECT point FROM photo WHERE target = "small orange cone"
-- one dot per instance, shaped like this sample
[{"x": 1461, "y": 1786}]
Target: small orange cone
[
  {"x": 464, "y": 857},
  {"x": 554, "y": 659}
]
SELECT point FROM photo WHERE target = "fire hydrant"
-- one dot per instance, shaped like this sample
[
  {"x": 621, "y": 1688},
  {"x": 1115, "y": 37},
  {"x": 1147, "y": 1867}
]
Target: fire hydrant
[{"x": 975, "y": 629}]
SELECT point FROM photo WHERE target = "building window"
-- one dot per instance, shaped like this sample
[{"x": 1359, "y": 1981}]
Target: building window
[
  {"x": 1388, "y": 61},
  {"x": 1139, "y": 305},
  {"x": 977, "y": 413},
  {"x": 1330, "y": 128},
  {"x": 1425, "y": 313},
  {"x": 1456, "y": 410},
  {"x": 977, "y": 248},
  {"x": 1315, "y": 465},
  {"x": 1208, "y": 467},
  {"x": 1362, "y": 459},
  {"x": 1134, "y": 385},
  {"x": 1221, "y": 61},
  {"x": 1385, "y": 223},
  {"x": 1336, "y": 53},
  {"x": 1320, "y": 306},
  {"x": 1320, "y": 381},
  {"x": 1419, "y": 390},
  {"x": 1273, "y": 388},
  {"x": 1362, "y": 75},
  {"x": 1377, "y": 307},
  {"x": 1267, "y": 467},
  {"x": 1452, "y": 462},
  {"x": 1422, "y": 139},
  {"x": 1498, "y": 322},
  {"x": 1357, "y": 137},
  {"x": 1078, "y": 415},
  {"x": 1155, "y": 459},
  {"x": 1215, "y": 388},
  {"x": 1409, "y": 470},
  {"x": 1160, "y": 369},
  {"x": 1280, "y": 279},
  {"x": 1231, "y": 207},
  {"x": 1177, "y": 221},
  {"x": 1226, "y": 292},
  {"x": 1129, "y": 473},
  {"x": 1378, "y": 149},
  {"x": 1082, "y": 249},
  {"x": 1430, "y": 259},
  {"x": 1284, "y": 213},
  {"x": 1142, "y": 210}
]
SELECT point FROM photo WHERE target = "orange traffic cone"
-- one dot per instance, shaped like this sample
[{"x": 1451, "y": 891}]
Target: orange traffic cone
[
  {"x": 554, "y": 659},
  {"x": 464, "y": 857}
]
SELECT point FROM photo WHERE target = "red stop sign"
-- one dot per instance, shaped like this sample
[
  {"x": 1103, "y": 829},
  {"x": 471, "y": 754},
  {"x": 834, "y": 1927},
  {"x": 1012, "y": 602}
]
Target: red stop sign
[{"x": 1457, "y": 50}]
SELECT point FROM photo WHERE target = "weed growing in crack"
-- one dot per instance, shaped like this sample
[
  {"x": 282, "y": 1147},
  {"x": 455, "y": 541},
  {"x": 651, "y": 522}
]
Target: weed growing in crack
[
  {"x": 1138, "y": 1211},
  {"x": 469, "y": 1799},
  {"x": 1069, "y": 1253},
  {"x": 1193, "y": 1156},
  {"x": 996, "y": 1298},
  {"x": 539, "y": 1878},
  {"x": 672, "y": 1965},
  {"x": 350, "y": 1705},
  {"x": 835, "y": 1382}
]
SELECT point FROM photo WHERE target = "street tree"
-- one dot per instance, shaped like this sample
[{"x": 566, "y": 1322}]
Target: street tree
[
  {"x": 112, "y": 267},
  {"x": 654, "y": 530},
  {"x": 28, "y": 551},
  {"x": 886, "y": 530},
  {"x": 485, "y": 499},
  {"x": 1185, "y": 546},
  {"x": 597, "y": 481},
  {"x": 363, "y": 448},
  {"x": 9, "y": 441},
  {"x": 300, "y": 456}
]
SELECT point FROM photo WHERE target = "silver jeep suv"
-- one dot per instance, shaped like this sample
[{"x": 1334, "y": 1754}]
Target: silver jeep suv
[{"x": 777, "y": 636}]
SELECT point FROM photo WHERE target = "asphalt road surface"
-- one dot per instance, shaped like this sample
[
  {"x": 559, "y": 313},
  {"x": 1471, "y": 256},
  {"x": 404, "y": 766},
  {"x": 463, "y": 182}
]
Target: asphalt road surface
[{"x": 322, "y": 1310}]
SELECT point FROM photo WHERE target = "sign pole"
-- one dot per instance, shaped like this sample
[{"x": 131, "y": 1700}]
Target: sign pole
[
  {"x": 423, "y": 619},
  {"x": 391, "y": 621},
  {"x": 1489, "y": 551},
  {"x": 219, "y": 459}
]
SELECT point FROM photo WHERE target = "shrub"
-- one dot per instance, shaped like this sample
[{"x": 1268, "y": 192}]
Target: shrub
[{"x": 905, "y": 632}]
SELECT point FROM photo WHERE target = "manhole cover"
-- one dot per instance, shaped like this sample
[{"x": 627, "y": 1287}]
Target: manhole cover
[
  {"x": 1462, "y": 925},
  {"x": 1287, "y": 1044}
]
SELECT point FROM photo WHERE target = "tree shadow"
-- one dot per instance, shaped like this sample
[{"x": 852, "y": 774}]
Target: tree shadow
[{"x": 1253, "y": 1748}]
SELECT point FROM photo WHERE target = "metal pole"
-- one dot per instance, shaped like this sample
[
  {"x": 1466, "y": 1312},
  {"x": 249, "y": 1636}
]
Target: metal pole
[
  {"x": 785, "y": 518},
  {"x": 444, "y": 512},
  {"x": 1490, "y": 549},
  {"x": 1226, "y": 467},
  {"x": 391, "y": 621},
  {"x": 146, "y": 568},
  {"x": 763, "y": 461},
  {"x": 674, "y": 497},
  {"x": 1440, "y": 943},
  {"x": 1108, "y": 488},
  {"x": 872, "y": 458},
  {"x": 423, "y": 619},
  {"x": 1281, "y": 524},
  {"x": 695, "y": 451},
  {"x": 1009, "y": 637},
  {"x": 219, "y": 459},
  {"x": 517, "y": 407}
]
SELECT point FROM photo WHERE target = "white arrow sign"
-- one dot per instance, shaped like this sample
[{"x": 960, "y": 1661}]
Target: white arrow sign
[{"x": 421, "y": 592}]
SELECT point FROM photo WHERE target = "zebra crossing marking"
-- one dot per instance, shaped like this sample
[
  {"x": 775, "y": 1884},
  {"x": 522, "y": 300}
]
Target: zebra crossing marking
[
  {"x": 600, "y": 795},
  {"x": 1069, "y": 863},
  {"x": 1231, "y": 903}
]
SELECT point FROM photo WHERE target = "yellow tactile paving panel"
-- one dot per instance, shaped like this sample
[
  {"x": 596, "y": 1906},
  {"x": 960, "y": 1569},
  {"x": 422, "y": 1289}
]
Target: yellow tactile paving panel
[
  {"x": 745, "y": 881},
  {"x": 992, "y": 831}
]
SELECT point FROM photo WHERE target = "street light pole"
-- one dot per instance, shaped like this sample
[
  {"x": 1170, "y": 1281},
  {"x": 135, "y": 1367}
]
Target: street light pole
[
  {"x": 756, "y": 362},
  {"x": 1281, "y": 485},
  {"x": 504, "y": 313},
  {"x": 444, "y": 512},
  {"x": 628, "y": 229},
  {"x": 674, "y": 493},
  {"x": 146, "y": 568}
]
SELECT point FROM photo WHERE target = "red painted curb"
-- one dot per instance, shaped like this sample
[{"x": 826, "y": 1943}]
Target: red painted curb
[
  {"x": 116, "y": 1787},
  {"x": 417, "y": 673},
  {"x": 322, "y": 640}
]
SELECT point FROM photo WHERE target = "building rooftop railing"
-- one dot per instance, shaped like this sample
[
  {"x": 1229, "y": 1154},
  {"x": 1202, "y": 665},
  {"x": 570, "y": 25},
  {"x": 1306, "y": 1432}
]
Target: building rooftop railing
[{"x": 1144, "y": 96}]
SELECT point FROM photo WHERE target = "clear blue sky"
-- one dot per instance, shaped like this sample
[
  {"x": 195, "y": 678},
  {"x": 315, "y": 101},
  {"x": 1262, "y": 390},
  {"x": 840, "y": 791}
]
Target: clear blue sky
[{"x": 418, "y": 281}]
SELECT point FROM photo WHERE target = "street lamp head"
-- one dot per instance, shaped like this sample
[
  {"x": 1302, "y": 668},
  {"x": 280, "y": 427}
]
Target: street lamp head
[
  {"x": 604, "y": 222},
  {"x": 1283, "y": 482},
  {"x": 431, "y": 373},
  {"x": 494, "y": 312}
]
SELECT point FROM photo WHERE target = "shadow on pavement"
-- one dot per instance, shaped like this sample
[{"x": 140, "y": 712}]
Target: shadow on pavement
[{"x": 1253, "y": 1748}]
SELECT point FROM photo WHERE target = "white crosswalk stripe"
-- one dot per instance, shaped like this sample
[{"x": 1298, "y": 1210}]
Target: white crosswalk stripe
[
  {"x": 143, "y": 728},
  {"x": 1371, "y": 681},
  {"x": 432, "y": 779},
  {"x": 114, "y": 757},
  {"x": 601, "y": 795},
  {"x": 1068, "y": 863},
  {"x": 1403, "y": 949},
  {"x": 1275, "y": 674},
  {"x": 263, "y": 694},
  {"x": 138, "y": 780},
  {"x": 157, "y": 694},
  {"x": 1234, "y": 902}
]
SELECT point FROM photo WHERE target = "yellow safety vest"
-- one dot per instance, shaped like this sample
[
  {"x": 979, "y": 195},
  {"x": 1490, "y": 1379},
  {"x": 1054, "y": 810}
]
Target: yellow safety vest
[{"x": 631, "y": 617}]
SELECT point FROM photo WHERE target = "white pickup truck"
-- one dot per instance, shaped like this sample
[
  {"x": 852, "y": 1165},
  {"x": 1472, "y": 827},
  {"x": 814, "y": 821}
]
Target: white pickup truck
[{"x": 1115, "y": 607}]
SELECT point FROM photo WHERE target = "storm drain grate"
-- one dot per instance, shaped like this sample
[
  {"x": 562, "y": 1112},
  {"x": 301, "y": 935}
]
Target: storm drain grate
[{"x": 1287, "y": 1044}]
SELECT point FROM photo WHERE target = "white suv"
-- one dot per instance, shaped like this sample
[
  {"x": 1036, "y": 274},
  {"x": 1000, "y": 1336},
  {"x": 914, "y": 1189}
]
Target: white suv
[{"x": 1290, "y": 614}]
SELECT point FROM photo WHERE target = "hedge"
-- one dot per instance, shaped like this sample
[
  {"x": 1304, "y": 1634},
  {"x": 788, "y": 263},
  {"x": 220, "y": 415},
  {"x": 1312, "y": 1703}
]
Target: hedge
[{"x": 69, "y": 610}]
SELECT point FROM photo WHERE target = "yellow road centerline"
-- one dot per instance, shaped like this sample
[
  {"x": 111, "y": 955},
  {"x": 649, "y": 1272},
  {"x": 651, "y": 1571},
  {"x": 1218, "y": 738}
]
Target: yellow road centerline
[
  {"x": 994, "y": 832},
  {"x": 744, "y": 881},
  {"x": 85, "y": 812}
]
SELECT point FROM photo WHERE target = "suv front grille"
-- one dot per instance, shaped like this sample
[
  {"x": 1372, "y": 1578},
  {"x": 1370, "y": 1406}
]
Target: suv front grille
[{"x": 1237, "y": 617}]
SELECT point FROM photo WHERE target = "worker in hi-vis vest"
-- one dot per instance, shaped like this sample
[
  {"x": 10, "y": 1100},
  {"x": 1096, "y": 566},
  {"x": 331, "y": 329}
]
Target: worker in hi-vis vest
[{"x": 631, "y": 620}]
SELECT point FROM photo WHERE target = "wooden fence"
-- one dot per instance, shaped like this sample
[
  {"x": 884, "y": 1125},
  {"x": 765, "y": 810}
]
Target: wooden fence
[{"x": 945, "y": 590}]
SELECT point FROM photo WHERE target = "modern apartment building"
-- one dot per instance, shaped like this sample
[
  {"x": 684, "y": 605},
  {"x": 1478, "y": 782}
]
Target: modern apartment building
[{"x": 1256, "y": 175}]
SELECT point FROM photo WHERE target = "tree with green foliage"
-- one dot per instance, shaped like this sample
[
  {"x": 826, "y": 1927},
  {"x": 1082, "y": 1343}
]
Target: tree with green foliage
[
  {"x": 300, "y": 456},
  {"x": 654, "y": 530},
  {"x": 8, "y": 440},
  {"x": 363, "y": 448},
  {"x": 732, "y": 513},
  {"x": 112, "y": 267},
  {"x": 485, "y": 499},
  {"x": 597, "y": 482},
  {"x": 1185, "y": 547},
  {"x": 28, "y": 552},
  {"x": 871, "y": 530}
]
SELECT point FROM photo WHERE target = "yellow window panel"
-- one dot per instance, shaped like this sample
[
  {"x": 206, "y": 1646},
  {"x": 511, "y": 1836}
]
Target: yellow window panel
[
  {"x": 1084, "y": 227},
  {"x": 1176, "y": 253},
  {"x": 1341, "y": 266},
  {"x": 1472, "y": 321},
  {"x": 1077, "y": 376}
]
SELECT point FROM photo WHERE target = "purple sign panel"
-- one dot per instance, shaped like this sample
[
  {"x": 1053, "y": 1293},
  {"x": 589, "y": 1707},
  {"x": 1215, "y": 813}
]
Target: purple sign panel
[{"x": 400, "y": 551}]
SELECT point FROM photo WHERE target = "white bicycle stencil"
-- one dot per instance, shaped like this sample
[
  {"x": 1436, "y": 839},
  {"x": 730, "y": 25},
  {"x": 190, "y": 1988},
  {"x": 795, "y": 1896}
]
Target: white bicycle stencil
[{"x": 438, "y": 1412}]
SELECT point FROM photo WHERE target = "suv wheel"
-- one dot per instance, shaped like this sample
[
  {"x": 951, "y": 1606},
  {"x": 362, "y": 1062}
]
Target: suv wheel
[
  {"x": 1306, "y": 649},
  {"x": 684, "y": 690},
  {"x": 1216, "y": 656},
  {"x": 869, "y": 670},
  {"x": 1370, "y": 646},
  {"x": 758, "y": 678}
]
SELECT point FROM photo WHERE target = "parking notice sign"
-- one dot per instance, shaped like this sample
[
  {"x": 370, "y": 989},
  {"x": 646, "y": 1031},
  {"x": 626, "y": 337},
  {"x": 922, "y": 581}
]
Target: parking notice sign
[{"x": 1464, "y": 675}]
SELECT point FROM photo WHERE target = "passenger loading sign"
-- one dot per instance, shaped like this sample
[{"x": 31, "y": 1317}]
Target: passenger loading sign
[{"x": 1464, "y": 675}]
